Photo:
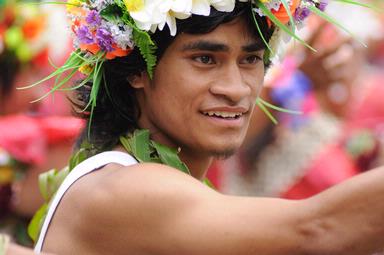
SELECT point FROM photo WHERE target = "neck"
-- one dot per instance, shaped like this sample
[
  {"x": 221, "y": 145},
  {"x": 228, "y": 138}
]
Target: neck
[{"x": 197, "y": 164}]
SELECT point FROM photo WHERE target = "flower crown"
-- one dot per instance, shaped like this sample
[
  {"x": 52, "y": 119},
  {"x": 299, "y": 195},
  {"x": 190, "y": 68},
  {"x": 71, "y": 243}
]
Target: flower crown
[
  {"x": 112, "y": 26},
  {"x": 106, "y": 29},
  {"x": 22, "y": 33}
]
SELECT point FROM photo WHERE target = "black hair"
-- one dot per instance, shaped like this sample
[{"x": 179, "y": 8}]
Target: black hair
[
  {"x": 117, "y": 110},
  {"x": 9, "y": 66}
]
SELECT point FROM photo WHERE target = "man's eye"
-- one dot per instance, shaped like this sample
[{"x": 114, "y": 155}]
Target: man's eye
[
  {"x": 208, "y": 60},
  {"x": 252, "y": 59}
]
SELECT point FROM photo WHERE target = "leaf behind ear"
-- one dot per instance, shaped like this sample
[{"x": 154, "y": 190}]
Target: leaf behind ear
[{"x": 146, "y": 46}]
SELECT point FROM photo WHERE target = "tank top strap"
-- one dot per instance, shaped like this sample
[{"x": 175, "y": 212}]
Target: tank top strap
[{"x": 85, "y": 167}]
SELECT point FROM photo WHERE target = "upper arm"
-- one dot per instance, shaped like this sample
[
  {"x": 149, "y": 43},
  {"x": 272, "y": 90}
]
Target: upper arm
[{"x": 161, "y": 211}]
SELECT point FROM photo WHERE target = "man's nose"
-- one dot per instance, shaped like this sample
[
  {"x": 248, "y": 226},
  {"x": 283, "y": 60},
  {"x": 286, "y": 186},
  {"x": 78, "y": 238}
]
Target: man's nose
[{"x": 231, "y": 84}]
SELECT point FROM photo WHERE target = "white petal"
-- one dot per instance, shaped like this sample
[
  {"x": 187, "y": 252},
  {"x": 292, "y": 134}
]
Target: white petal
[
  {"x": 201, "y": 7},
  {"x": 171, "y": 22}
]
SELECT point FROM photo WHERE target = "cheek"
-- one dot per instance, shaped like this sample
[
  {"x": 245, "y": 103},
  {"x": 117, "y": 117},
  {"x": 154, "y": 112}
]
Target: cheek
[{"x": 255, "y": 81}]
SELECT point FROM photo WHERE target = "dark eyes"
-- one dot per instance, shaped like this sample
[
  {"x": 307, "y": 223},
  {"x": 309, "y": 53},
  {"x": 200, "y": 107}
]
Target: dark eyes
[
  {"x": 205, "y": 59},
  {"x": 209, "y": 60},
  {"x": 252, "y": 59}
]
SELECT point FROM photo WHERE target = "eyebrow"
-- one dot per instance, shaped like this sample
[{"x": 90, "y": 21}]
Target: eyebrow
[
  {"x": 205, "y": 45},
  {"x": 254, "y": 46},
  {"x": 216, "y": 47}
]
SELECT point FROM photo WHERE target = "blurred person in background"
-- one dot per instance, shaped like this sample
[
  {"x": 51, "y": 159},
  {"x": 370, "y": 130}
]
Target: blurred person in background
[
  {"x": 308, "y": 153},
  {"x": 34, "y": 137}
]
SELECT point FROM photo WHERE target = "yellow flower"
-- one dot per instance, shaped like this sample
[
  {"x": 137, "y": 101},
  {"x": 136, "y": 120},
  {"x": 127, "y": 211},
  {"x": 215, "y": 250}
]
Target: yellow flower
[
  {"x": 134, "y": 5},
  {"x": 73, "y": 4},
  {"x": 6, "y": 175},
  {"x": 265, "y": 1},
  {"x": 86, "y": 69}
]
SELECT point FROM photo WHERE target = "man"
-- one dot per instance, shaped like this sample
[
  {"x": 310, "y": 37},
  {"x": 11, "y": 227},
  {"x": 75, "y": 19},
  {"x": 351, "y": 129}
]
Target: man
[{"x": 199, "y": 100}]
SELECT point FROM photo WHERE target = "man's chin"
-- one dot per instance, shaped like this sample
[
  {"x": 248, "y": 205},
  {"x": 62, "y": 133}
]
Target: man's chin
[{"x": 223, "y": 154}]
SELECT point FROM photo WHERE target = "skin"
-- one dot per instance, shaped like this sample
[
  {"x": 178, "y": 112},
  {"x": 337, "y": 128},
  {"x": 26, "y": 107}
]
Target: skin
[
  {"x": 337, "y": 58},
  {"x": 19, "y": 101},
  {"x": 155, "y": 209}
]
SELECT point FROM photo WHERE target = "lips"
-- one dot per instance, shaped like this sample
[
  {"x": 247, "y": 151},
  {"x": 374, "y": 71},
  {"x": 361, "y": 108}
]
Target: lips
[
  {"x": 225, "y": 112},
  {"x": 225, "y": 115}
]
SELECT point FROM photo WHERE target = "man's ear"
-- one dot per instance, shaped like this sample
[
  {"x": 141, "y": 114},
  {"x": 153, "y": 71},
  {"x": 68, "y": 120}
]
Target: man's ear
[{"x": 139, "y": 81}]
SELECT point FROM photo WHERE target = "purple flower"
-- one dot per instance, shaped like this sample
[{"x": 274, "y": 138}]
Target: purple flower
[
  {"x": 104, "y": 39},
  {"x": 322, "y": 5},
  {"x": 93, "y": 18},
  {"x": 302, "y": 13},
  {"x": 84, "y": 35}
]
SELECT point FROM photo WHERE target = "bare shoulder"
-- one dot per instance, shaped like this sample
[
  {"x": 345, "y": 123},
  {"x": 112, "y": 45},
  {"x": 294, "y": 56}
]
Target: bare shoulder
[
  {"x": 116, "y": 202},
  {"x": 120, "y": 189}
]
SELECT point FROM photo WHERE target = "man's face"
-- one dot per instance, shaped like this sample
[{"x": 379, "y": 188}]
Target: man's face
[
  {"x": 203, "y": 90},
  {"x": 19, "y": 101}
]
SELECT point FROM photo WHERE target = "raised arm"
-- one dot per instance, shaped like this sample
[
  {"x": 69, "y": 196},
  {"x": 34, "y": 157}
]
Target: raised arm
[{"x": 152, "y": 209}]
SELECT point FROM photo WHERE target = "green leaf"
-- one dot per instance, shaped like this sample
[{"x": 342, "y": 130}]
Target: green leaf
[
  {"x": 36, "y": 223},
  {"x": 288, "y": 10},
  {"x": 264, "y": 104},
  {"x": 138, "y": 144},
  {"x": 270, "y": 50},
  {"x": 209, "y": 183},
  {"x": 49, "y": 182},
  {"x": 146, "y": 46},
  {"x": 57, "y": 85},
  {"x": 111, "y": 13},
  {"x": 79, "y": 156},
  {"x": 369, "y": 6},
  {"x": 97, "y": 77},
  {"x": 169, "y": 157},
  {"x": 45, "y": 182},
  {"x": 53, "y": 2},
  {"x": 266, "y": 111},
  {"x": 72, "y": 62},
  {"x": 280, "y": 109}
]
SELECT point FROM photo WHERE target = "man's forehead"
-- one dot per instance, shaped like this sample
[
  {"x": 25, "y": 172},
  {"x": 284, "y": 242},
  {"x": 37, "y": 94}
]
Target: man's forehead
[{"x": 220, "y": 45}]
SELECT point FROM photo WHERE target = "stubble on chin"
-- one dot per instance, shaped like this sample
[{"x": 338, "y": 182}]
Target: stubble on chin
[{"x": 223, "y": 154}]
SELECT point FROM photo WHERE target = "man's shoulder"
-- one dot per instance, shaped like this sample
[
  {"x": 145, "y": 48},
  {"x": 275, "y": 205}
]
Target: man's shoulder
[
  {"x": 122, "y": 199},
  {"x": 115, "y": 190}
]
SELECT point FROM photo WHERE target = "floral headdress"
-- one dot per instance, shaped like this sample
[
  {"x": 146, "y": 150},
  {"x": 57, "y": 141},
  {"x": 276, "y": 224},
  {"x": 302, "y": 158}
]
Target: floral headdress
[
  {"x": 23, "y": 32},
  {"x": 106, "y": 29}
]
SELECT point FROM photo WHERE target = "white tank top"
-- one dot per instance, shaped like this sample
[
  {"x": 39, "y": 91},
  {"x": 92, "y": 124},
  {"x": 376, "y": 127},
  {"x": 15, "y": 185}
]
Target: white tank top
[{"x": 85, "y": 167}]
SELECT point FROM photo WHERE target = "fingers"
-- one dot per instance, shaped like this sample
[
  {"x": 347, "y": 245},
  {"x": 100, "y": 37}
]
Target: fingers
[
  {"x": 316, "y": 34},
  {"x": 333, "y": 49}
]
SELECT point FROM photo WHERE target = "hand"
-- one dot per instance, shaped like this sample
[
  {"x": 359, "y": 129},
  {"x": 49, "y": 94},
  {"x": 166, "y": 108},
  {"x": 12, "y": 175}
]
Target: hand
[{"x": 332, "y": 69}]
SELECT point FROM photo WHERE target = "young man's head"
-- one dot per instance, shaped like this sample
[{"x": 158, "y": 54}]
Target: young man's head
[
  {"x": 23, "y": 53},
  {"x": 13, "y": 101},
  {"x": 203, "y": 88}
]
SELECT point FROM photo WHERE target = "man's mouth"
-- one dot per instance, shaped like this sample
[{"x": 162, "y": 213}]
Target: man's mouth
[{"x": 223, "y": 114}]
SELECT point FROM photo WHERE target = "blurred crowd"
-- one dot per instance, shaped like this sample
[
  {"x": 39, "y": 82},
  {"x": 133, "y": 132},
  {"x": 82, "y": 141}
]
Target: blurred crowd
[
  {"x": 337, "y": 90},
  {"x": 34, "y": 137},
  {"x": 339, "y": 131}
]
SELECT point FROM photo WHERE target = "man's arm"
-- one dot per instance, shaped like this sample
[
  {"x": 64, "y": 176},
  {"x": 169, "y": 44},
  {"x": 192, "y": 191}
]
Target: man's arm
[{"x": 153, "y": 209}]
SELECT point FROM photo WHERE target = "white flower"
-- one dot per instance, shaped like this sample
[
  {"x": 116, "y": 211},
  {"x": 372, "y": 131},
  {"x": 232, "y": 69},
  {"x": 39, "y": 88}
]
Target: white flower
[
  {"x": 147, "y": 13},
  {"x": 223, "y": 5},
  {"x": 150, "y": 15},
  {"x": 179, "y": 9},
  {"x": 122, "y": 35},
  {"x": 201, "y": 7}
]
